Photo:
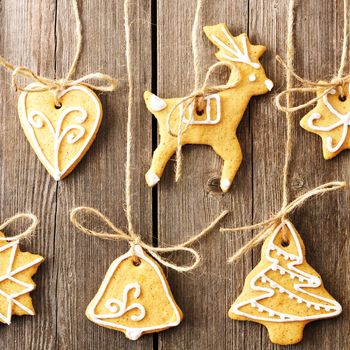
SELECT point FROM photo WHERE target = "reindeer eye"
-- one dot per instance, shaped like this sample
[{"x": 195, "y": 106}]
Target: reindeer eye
[{"x": 252, "y": 77}]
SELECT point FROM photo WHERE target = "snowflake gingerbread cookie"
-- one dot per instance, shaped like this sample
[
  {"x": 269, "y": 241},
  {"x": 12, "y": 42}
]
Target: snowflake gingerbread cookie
[
  {"x": 330, "y": 119},
  {"x": 134, "y": 297},
  {"x": 283, "y": 292},
  {"x": 16, "y": 271},
  {"x": 217, "y": 123}
]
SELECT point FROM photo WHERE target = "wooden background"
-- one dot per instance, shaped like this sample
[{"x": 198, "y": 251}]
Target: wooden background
[{"x": 40, "y": 35}]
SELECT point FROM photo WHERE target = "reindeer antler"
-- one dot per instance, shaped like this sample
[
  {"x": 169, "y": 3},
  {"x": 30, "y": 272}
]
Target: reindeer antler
[{"x": 229, "y": 49}]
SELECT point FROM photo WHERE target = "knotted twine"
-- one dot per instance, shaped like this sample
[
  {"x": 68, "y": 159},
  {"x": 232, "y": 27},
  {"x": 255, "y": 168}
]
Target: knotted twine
[
  {"x": 26, "y": 233},
  {"x": 287, "y": 208},
  {"x": 58, "y": 85},
  {"x": 130, "y": 235},
  {"x": 308, "y": 86},
  {"x": 196, "y": 97}
]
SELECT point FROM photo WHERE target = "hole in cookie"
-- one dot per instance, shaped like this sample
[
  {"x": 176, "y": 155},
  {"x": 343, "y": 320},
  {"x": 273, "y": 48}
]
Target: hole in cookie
[
  {"x": 200, "y": 111},
  {"x": 284, "y": 243},
  {"x": 136, "y": 261},
  {"x": 199, "y": 105},
  {"x": 58, "y": 105},
  {"x": 342, "y": 98}
]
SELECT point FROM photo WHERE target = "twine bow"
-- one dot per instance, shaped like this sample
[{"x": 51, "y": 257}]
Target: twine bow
[
  {"x": 270, "y": 224},
  {"x": 135, "y": 239},
  {"x": 199, "y": 95},
  {"x": 309, "y": 86},
  {"x": 25, "y": 233},
  {"x": 196, "y": 98},
  {"x": 58, "y": 85}
]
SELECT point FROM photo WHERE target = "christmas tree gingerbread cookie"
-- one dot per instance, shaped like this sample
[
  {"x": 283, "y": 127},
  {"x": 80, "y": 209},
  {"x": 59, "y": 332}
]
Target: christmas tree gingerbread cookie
[
  {"x": 135, "y": 297},
  {"x": 283, "y": 292},
  {"x": 330, "y": 119},
  {"x": 16, "y": 271},
  {"x": 216, "y": 123}
]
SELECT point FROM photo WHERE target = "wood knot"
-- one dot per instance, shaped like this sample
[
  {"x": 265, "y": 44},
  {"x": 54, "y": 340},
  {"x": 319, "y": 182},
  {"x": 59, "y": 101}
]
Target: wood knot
[
  {"x": 213, "y": 185},
  {"x": 297, "y": 183}
]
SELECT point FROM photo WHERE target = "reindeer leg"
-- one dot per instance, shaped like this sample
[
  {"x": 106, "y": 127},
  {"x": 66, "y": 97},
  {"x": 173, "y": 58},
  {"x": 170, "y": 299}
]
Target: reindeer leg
[
  {"x": 160, "y": 158},
  {"x": 230, "y": 151}
]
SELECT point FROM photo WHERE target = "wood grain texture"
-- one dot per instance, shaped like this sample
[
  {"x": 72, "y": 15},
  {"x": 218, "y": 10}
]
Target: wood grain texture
[{"x": 40, "y": 34}]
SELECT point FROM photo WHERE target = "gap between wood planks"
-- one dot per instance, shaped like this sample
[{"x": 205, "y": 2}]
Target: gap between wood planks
[{"x": 154, "y": 49}]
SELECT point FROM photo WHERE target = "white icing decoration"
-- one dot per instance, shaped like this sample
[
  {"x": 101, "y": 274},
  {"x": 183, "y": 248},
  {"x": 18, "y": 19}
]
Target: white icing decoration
[
  {"x": 208, "y": 120},
  {"x": 269, "y": 84},
  {"x": 344, "y": 121},
  {"x": 119, "y": 308},
  {"x": 132, "y": 333},
  {"x": 236, "y": 55},
  {"x": 252, "y": 77},
  {"x": 156, "y": 103},
  {"x": 11, "y": 298},
  {"x": 74, "y": 132},
  {"x": 310, "y": 282}
]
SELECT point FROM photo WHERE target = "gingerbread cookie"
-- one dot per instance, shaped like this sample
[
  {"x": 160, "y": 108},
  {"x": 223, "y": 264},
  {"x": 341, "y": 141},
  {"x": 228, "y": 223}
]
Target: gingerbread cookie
[
  {"x": 330, "y": 119},
  {"x": 134, "y": 298},
  {"x": 16, "y": 271},
  {"x": 216, "y": 124},
  {"x": 60, "y": 134},
  {"x": 283, "y": 292}
]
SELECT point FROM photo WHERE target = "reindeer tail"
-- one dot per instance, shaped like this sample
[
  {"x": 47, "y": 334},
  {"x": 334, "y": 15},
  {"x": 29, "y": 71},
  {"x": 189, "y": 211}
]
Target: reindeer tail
[{"x": 154, "y": 103}]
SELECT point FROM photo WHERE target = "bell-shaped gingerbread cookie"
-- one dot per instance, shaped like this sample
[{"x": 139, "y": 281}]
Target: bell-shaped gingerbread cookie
[
  {"x": 283, "y": 292},
  {"x": 60, "y": 134},
  {"x": 134, "y": 298}
]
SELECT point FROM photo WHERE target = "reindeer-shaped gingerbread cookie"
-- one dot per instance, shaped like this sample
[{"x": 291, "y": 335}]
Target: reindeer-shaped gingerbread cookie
[{"x": 216, "y": 125}]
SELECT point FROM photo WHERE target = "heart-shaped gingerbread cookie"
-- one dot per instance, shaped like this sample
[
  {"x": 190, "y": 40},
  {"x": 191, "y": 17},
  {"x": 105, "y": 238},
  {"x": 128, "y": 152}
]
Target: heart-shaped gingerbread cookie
[{"x": 60, "y": 135}]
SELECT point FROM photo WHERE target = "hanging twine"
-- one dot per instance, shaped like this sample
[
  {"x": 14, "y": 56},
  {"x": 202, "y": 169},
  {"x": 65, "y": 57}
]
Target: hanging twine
[
  {"x": 57, "y": 85},
  {"x": 131, "y": 236},
  {"x": 308, "y": 86},
  {"x": 287, "y": 207},
  {"x": 197, "y": 96},
  {"x": 26, "y": 233}
]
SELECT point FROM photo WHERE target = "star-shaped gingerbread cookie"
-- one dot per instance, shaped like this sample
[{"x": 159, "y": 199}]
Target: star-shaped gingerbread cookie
[
  {"x": 16, "y": 271},
  {"x": 330, "y": 119}
]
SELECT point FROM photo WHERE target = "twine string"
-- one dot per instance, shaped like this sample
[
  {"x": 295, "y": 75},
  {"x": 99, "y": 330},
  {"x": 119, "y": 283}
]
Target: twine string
[
  {"x": 308, "y": 86},
  {"x": 196, "y": 97},
  {"x": 195, "y": 44},
  {"x": 104, "y": 83},
  {"x": 289, "y": 82},
  {"x": 26, "y": 233},
  {"x": 269, "y": 225},
  {"x": 133, "y": 238},
  {"x": 128, "y": 179},
  {"x": 130, "y": 235}
]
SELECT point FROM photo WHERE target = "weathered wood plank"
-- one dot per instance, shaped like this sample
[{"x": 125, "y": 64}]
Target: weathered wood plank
[
  {"x": 98, "y": 180},
  {"x": 322, "y": 222},
  {"x": 28, "y": 39},
  {"x": 41, "y": 36},
  {"x": 190, "y": 205}
]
